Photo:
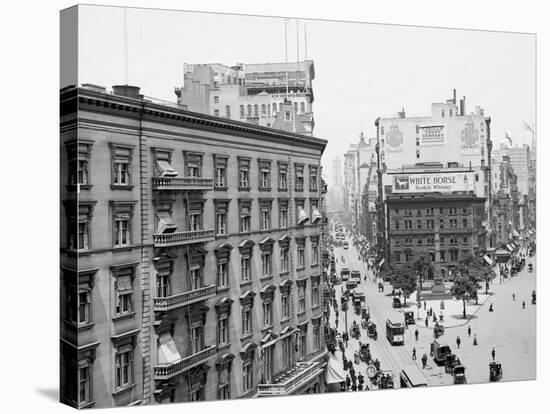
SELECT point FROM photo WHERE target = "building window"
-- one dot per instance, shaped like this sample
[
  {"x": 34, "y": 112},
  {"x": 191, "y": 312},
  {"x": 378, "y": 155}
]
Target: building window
[
  {"x": 441, "y": 223},
  {"x": 263, "y": 110},
  {"x": 274, "y": 108},
  {"x": 193, "y": 163},
  {"x": 197, "y": 337},
  {"x": 313, "y": 179},
  {"x": 163, "y": 285},
  {"x": 244, "y": 173},
  {"x": 249, "y": 110},
  {"x": 122, "y": 223},
  {"x": 302, "y": 107},
  {"x": 442, "y": 255},
  {"x": 302, "y": 345},
  {"x": 464, "y": 223},
  {"x": 246, "y": 327},
  {"x": 196, "y": 277},
  {"x": 224, "y": 383},
  {"x": 124, "y": 368},
  {"x": 122, "y": 232},
  {"x": 442, "y": 113},
  {"x": 265, "y": 174},
  {"x": 216, "y": 99},
  {"x": 397, "y": 256},
  {"x": 216, "y": 112},
  {"x": 314, "y": 254},
  {"x": 267, "y": 308},
  {"x": 465, "y": 240},
  {"x": 301, "y": 298},
  {"x": 301, "y": 256},
  {"x": 121, "y": 156},
  {"x": 454, "y": 255},
  {"x": 220, "y": 172},
  {"x": 430, "y": 224},
  {"x": 316, "y": 337},
  {"x": 124, "y": 290},
  {"x": 241, "y": 110},
  {"x": 315, "y": 295},
  {"x": 418, "y": 224},
  {"x": 222, "y": 275},
  {"x": 223, "y": 330},
  {"x": 299, "y": 177},
  {"x": 396, "y": 225},
  {"x": 453, "y": 223},
  {"x": 266, "y": 264},
  {"x": 285, "y": 307},
  {"x": 244, "y": 217},
  {"x": 248, "y": 376},
  {"x": 227, "y": 111},
  {"x": 78, "y": 155},
  {"x": 283, "y": 176},
  {"x": 78, "y": 224},
  {"x": 221, "y": 207},
  {"x": 284, "y": 259},
  {"x": 245, "y": 269},
  {"x": 256, "y": 113},
  {"x": 283, "y": 215}
]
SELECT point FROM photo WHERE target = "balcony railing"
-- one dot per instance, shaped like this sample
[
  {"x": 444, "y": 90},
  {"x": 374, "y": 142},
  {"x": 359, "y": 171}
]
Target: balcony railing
[
  {"x": 167, "y": 371},
  {"x": 290, "y": 380},
  {"x": 184, "y": 237},
  {"x": 183, "y": 299},
  {"x": 183, "y": 183}
]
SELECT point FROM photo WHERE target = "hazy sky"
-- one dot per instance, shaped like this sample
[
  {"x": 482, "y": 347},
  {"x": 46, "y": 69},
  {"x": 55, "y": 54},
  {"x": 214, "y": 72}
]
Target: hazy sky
[{"x": 362, "y": 71}]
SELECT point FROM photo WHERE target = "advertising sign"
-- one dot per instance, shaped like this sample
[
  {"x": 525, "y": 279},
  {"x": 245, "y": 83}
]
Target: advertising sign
[
  {"x": 394, "y": 139},
  {"x": 432, "y": 135},
  {"x": 433, "y": 182},
  {"x": 470, "y": 139}
]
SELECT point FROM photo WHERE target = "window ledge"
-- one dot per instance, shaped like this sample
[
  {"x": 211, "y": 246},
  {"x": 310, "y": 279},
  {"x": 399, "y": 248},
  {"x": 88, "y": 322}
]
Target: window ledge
[
  {"x": 220, "y": 188},
  {"x": 315, "y": 265},
  {"x": 267, "y": 277},
  {"x": 221, "y": 236},
  {"x": 284, "y": 320},
  {"x": 282, "y": 274},
  {"x": 246, "y": 284},
  {"x": 125, "y": 316},
  {"x": 244, "y": 188},
  {"x": 73, "y": 187},
  {"x": 302, "y": 313},
  {"x": 299, "y": 189},
  {"x": 224, "y": 346},
  {"x": 247, "y": 336},
  {"x": 123, "y": 390},
  {"x": 86, "y": 405},
  {"x": 81, "y": 327},
  {"x": 222, "y": 289},
  {"x": 266, "y": 189},
  {"x": 266, "y": 328},
  {"x": 122, "y": 187},
  {"x": 123, "y": 248},
  {"x": 283, "y": 189},
  {"x": 313, "y": 190},
  {"x": 300, "y": 268}
]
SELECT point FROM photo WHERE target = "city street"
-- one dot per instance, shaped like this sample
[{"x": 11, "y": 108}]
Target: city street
[{"x": 509, "y": 328}]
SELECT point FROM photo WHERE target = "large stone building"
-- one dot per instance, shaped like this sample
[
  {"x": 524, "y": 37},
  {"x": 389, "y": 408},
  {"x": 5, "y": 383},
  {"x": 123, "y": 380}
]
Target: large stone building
[
  {"x": 254, "y": 93},
  {"x": 449, "y": 142},
  {"x": 190, "y": 254}
]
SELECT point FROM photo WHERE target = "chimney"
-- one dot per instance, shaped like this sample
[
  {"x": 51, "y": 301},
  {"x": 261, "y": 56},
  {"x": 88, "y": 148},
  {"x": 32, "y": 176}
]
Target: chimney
[
  {"x": 463, "y": 106},
  {"x": 128, "y": 91},
  {"x": 454, "y": 96},
  {"x": 401, "y": 114}
]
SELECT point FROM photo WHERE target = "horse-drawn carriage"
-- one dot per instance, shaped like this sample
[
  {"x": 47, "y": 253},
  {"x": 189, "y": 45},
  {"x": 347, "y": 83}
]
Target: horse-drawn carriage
[
  {"x": 371, "y": 330},
  {"x": 459, "y": 374},
  {"x": 355, "y": 331},
  {"x": 495, "y": 371},
  {"x": 438, "y": 330},
  {"x": 396, "y": 303},
  {"x": 451, "y": 361},
  {"x": 409, "y": 318},
  {"x": 364, "y": 352}
]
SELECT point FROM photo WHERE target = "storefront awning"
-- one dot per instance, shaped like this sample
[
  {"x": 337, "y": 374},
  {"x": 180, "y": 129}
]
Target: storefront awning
[
  {"x": 334, "y": 373},
  {"x": 488, "y": 260},
  {"x": 166, "y": 224},
  {"x": 165, "y": 169},
  {"x": 316, "y": 216},
  {"x": 381, "y": 262},
  {"x": 510, "y": 248},
  {"x": 502, "y": 252},
  {"x": 167, "y": 352},
  {"x": 515, "y": 233}
]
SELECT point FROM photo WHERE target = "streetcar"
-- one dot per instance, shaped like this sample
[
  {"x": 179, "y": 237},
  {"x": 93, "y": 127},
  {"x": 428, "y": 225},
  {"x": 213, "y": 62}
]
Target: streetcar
[
  {"x": 356, "y": 276},
  {"x": 395, "y": 332},
  {"x": 345, "y": 274}
]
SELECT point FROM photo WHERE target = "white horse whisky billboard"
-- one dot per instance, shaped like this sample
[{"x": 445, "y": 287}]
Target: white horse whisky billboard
[{"x": 433, "y": 182}]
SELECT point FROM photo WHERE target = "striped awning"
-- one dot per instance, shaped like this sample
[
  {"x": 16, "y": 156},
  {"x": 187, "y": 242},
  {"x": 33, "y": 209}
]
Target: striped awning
[{"x": 488, "y": 260}]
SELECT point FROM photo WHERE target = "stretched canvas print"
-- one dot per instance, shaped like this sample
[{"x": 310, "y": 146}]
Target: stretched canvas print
[{"x": 265, "y": 206}]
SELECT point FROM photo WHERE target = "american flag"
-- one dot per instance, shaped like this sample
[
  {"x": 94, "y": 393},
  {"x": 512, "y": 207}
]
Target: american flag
[
  {"x": 508, "y": 137},
  {"x": 527, "y": 127}
]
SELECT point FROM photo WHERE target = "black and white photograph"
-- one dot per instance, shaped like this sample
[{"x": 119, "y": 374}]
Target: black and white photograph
[{"x": 255, "y": 206}]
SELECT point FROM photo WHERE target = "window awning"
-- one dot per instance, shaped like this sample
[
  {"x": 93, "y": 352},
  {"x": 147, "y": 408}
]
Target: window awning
[
  {"x": 165, "y": 169},
  {"x": 316, "y": 216},
  {"x": 302, "y": 216},
  {"x": 381, "y": 262},
  {"x": 488, "y": 260},
  {"x": 502, "y": 252},
  {"x": 510, "y": 248},
  {"x": 515, "y": 233},
  {"x": 166, "y": 224},
  {"x": 167, "y": 352},
  {"x": 334, "y": 373}
]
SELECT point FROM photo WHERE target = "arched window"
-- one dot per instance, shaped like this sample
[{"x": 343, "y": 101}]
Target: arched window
[
  {"x": 287, "y": 116},
  {"x": 249, "y": 110},
  {"x": 280, "y": 106},
  {"x": 268, "y": 110},
  {"x": 263, "y": 109},
  {"x": 242, "y": 111},
  {"x": 302, "y": 107},
  {"x": 296, "y": 107},
  {"x": 274, "y": 108},
  {"x": 255, "y": 109}
]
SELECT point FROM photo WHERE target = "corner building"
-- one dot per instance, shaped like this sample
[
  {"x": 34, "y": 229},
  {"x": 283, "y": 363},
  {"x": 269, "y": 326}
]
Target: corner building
[{"x": 190, "y": 257}]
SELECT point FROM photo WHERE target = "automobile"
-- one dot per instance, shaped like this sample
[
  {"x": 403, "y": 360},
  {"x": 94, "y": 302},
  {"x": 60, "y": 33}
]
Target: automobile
[
  {"x": 345, "y": 274},
  {"x": 396, "y": 303},
  {"x": 495, "y": 371},
  {"x": 350, "y": 284},
  {"x": 356, "y": 276},
  {"x": 409, "y": 318},
  {"x": 459, "y": 374},
  {"x": 346, "y": 245},
  {"x": 440, "y": 352}
]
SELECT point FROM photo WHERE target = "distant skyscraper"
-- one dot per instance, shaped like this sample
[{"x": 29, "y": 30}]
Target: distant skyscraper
[{"x": 337, "y": 172}]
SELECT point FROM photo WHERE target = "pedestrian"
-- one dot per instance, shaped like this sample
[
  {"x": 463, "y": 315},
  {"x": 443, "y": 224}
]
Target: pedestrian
[
  {"x": 426, "y": 321},
  {"x": 458, "y": 342},
  {"x": 475, "y": 339},
  {"x": 414, "y": 354},
  {"x": 434, "y": 318},
  {"x": 336, "y": 323},
  {"x": 424, "y": 360},
  {"x": 491, "y": 307},
  {"x": 469, "y": 331},
  {"x": 416, "y": 334},
  {"x": 424, "y": 305},
  {"x": 348, "y": 381},
  {"x": 493, "y": 352},
  {"x": 514, "y": 297},
  {"x": 523, "y": 304}
]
